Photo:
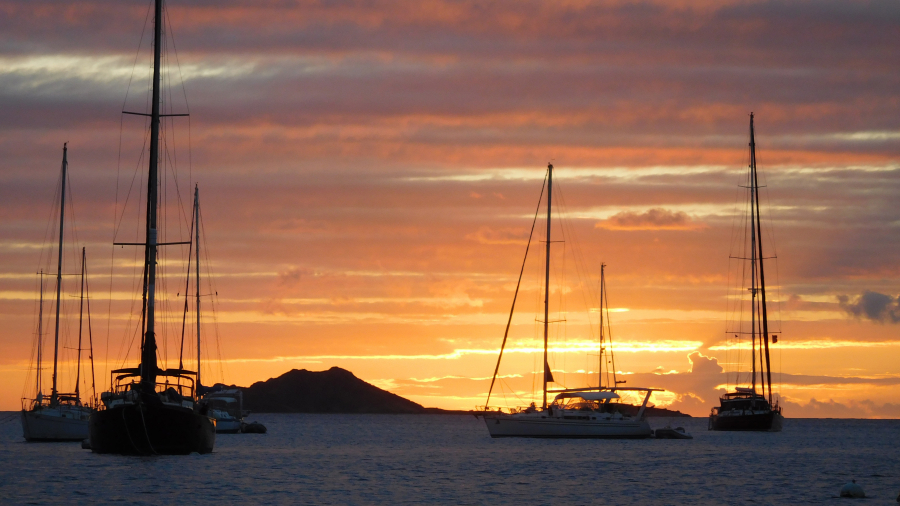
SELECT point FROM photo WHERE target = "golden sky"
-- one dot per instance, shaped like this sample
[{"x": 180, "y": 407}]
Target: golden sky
[{"x": 369, "y": 171}]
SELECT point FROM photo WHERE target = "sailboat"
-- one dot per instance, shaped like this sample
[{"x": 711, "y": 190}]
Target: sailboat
[
  {"x": 591, "y": 412},
  {"x": 149, "y": 410},
  {"x": 747, "y": 408},
  {"x": 225, "y": 405},
  {"x": 62, "y": 416}
]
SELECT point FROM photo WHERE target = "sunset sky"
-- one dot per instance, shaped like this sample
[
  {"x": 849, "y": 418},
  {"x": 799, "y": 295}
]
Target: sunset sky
[{"x": 369, "y": 172}]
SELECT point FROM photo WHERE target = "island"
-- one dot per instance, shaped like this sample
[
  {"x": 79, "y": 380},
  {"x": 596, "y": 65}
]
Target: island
[{"x": 340, "y": 391}]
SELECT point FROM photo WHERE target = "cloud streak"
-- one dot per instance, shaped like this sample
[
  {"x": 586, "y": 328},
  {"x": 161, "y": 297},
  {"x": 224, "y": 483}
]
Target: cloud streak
[{"x": 652, "y": 219}]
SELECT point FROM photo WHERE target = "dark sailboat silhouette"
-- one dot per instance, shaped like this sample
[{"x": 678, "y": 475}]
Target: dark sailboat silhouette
[
  {"x": 746, "y": 408},
  {"x": 142, "y": 414}
]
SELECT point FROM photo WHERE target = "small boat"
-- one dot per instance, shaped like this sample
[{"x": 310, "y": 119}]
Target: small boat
[
  {"x": 592, "y": 412},
  {"x": 668, "y": 432},
  {"x": 150, "y": 410},
  {"x": 225, "y": 406},
  {"x": 61, "y": 416},
  {"x": 746, "y": 409},
  {"x": 253, "y": 428}
]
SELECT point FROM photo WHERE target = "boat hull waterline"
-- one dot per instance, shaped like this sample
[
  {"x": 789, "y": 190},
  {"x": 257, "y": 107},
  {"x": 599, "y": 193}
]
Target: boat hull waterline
[
  {"x": 516, "y": 425},
  {"x": 55, "y": 424},
  {"x": 228, "y": 426},
  {"x": 138, "y": 429}
]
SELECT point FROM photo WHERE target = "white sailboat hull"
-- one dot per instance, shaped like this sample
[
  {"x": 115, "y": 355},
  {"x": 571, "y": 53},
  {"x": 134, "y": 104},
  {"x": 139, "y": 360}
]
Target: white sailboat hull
[
  {"x": 64, "y": 423},
  {"x": 539, "y": 426}
]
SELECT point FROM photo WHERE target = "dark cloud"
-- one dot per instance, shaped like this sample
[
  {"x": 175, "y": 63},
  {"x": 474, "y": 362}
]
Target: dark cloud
[
  {"x": 653, "y": 219},
  {"x": 292, "y": 276},
  {"x": 873, "y": 306},
  {"x": 614, "y": 71}
]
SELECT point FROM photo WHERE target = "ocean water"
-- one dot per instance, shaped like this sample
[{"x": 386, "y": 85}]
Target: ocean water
[{"x": 450, "y": 459}]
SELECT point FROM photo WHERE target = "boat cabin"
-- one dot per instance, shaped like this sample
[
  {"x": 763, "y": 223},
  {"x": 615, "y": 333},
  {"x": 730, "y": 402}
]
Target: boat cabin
[
  {"x": 126, "y": 384},
  {"x": 225, "y": 402},
  {"x": 586, "y": 401},
  {"x": 743, "y": 400}
]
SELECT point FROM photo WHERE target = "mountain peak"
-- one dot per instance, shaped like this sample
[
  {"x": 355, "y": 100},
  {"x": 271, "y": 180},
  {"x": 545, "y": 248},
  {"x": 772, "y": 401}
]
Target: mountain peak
[{"x": 335, "y": 390}]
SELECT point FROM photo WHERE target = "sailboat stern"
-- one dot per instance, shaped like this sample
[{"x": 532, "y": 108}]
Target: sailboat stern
[
  {"x": 146, "y": 429},
  {"x": 745, "y": 411}
]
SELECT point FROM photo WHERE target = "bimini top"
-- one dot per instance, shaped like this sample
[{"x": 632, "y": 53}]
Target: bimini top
[{"x": 589, "y": 396}]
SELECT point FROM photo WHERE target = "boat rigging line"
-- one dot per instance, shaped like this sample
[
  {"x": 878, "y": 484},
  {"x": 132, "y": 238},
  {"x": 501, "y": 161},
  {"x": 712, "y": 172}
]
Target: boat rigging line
[{"x": 516, "y": 294}]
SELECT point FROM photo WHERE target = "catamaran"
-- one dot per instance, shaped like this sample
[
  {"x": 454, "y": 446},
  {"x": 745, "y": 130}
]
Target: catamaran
[
  {"x": 590, "y": 412},
  {"x": 61, "y": 416},
  {"x": 751, "y": 408},
  {"x": 151, "y": 410}
]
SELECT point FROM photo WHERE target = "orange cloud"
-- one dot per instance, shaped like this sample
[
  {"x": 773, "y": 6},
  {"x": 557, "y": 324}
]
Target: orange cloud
[{"x": 488, "y": 235}]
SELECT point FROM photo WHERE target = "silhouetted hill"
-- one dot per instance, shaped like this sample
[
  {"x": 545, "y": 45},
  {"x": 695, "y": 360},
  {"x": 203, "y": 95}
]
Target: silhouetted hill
[
  {"x": 339, "y": 391},
  {"x": 333, "y": 391},
  {"x": 663, "y": 412}
]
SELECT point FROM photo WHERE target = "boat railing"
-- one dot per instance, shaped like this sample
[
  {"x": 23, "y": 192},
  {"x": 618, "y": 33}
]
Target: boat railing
[
  {"x": 173, "y": 380},
  {"x": 183, "y": 389},
  {"x": 124, "y": 380},
  {"x": 504, "y": 410},
  {"x": 65, "y": 400}
]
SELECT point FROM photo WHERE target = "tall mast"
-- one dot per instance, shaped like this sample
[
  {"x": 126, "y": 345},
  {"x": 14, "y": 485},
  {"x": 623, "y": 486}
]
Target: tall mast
[
  {"x": 80, "y": 326},
  {"x": 547, "y": 373},
  {"x": 197, "y": 267},
  {"x": 602, "y": 356},
  {"x": 40, "y": 334},
  {"x": 753, "y": 308},
  {"x": 62, "y": 209},
  {"x": 87, "y": 289},
  {"x": 148, "y": 350},
  {"x": 764, "y": 337}
]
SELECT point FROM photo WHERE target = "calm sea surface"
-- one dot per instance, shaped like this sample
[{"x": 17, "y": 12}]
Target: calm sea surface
[{"x": 443, "y": 459}]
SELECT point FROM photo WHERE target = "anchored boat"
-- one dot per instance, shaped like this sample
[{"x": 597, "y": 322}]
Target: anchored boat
[
  {"x": 151, "y": 410},
  {"x": 751, "y": 408},
  {"x": 224, "y": 405},
  {"x": 590, "y": 412},
  {"x": 61, "y": 416}
]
